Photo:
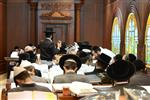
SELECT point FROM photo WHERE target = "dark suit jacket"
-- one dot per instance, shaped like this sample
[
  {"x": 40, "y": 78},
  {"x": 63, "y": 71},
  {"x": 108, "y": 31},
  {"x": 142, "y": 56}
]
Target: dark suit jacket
[
  {"x": 140, "y": 78},
  {"x": 29, "y": 87},
  {"x": 47, "y": 50},
  {"x": 70, "y": 77}
]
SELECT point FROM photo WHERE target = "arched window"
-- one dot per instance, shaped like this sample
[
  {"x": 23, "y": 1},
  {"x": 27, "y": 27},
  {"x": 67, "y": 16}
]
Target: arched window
[
  {"x": 131, "y": 36},
  {"x": 147, "y": 42},
  {"x": 115, "y": 42}
]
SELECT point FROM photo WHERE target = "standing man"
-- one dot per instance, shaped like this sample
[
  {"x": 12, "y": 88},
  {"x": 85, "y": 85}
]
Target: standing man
[{"x": 47, "y": 47}]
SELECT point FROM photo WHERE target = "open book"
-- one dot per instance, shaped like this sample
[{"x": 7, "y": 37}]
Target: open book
[
  {"x": 58, "y": 87},
  {"x": 76, "y": 88},
  {"x": 82, "y": 89},
  {"x": 31, "y": 95}
]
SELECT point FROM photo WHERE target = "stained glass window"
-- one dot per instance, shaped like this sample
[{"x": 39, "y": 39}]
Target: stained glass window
[
  {"x": 131, "y": 36},
  {"x": 147, "y": 42},
  {"x": 115, "y": 42}
]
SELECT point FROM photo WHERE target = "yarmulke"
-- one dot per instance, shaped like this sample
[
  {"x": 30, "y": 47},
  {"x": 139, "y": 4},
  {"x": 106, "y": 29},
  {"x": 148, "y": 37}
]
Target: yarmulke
[
  {"x": 25, "y": 63},
  {"x": 107, "y": 52},
  {"x": 71, "y": 60},
  {"x": 72, "y": 50},
  {"x": 28, "y": 48},
  {"x": 18, "y": 70},
  {"x": 14, "y": 54},
  {"x": 86, "y": 50}
]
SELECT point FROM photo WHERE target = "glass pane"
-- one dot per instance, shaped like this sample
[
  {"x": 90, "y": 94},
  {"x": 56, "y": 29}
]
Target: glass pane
[
  {"x": 131, "y": 35},
  {"x": 116, "y": 37},
  {"x": 147, "y": 43}
]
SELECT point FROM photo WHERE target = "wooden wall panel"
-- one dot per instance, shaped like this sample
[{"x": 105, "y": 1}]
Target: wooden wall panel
[
  {"x": 2, "y": 36},
  {"x": 92, "y": 21},
  {"x": 18, "y": 25},
  {"x": 141, "y": 10},
  {"x": 96, "y": 22},
  {"x": 45, "y": 17}
]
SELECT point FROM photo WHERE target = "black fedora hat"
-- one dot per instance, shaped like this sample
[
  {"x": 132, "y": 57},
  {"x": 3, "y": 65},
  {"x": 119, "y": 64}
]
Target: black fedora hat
[
  {"x": 84, "y": 45},
  {"x": 104, "y": 58},
  {"x": 49, "y": 31},
  {"x": 70, "y": 57},
  {"x": 121, "y": 70}
]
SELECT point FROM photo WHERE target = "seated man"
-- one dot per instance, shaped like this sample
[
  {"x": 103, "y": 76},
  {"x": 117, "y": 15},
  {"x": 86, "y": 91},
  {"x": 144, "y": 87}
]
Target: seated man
[
  {"x": 120, "y": 72},
  {"x": 70, "y": 64},
  {"x": 101, "y": 64},
  {"x": 32, "y": 71},
  {"x": 23, "y": 79},
  {"x": 142, "y": 76}
]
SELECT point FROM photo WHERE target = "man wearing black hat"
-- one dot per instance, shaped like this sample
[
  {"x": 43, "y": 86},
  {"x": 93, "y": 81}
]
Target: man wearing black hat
[
  {"x": 120, "y": 72},
  {"x": 101, "y": 64},
  {"x": 47, "y": 47},
  {"x": 100, "y": 67},
  {"x": 70, "y": 64}
]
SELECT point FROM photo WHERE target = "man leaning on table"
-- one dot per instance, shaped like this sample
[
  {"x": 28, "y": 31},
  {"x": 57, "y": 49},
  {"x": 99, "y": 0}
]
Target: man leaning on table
[{"x": 24, "y": 82}]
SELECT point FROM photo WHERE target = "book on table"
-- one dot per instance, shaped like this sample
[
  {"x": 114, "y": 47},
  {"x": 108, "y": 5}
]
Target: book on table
[
  {"x": 76, "y": 88},
  {"x": 82, "y": 89},
  {"x": 31, "y": 95}
]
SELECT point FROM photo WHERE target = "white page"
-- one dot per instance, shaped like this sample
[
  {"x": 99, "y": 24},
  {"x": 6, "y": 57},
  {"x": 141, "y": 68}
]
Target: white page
[
  {"x": 25, "y": 95},
  {"x": 31, "y": 95},
  {"x": 59, "y": 86}
]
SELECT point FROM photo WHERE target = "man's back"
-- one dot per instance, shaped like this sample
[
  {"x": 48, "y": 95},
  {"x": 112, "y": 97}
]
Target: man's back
[
  {"x": 140, "y": 78},
  {"x": 47, "y": 49},
  {"x": 29, "y": 87},
  {"x": 70, "y": 77}
]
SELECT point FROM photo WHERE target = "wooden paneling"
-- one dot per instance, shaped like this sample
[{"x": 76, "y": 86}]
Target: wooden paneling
[
  {"x": 2, "y": 36},
  {"x": 60, "y": 31},
  {"x": 92, "y": 21},
  {"x": 56, "y": 13},
  {"x": 141, "y": 10},
  {"x": 18, "y": 24},
  {"x": 96, "y": 23}
]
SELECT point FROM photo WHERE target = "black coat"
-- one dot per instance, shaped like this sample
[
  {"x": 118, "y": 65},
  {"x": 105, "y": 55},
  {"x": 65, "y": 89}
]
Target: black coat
[{"x": 47, "y": 50}]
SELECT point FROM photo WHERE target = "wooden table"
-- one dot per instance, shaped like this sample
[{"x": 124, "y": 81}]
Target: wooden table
[
  {"x": 9, "y": 59},
  {"x": 61, "y": 97},
  {"x": 10, "y": 63}
]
